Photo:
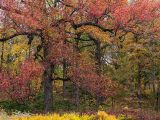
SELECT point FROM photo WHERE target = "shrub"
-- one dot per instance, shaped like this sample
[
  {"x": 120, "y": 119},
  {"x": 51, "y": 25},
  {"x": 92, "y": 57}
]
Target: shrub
[
  {"x": 104, "y": 116},
  {"x": 72, "y": 116},
  {"x": 123, "y": 117},
  {"x": 28, "y": 106},
  {"x": 11, "y": 106}
]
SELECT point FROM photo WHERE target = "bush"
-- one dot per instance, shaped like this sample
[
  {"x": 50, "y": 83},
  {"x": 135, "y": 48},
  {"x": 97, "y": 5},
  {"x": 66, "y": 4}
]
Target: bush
[
  {"x": 104, "y": 116},
  {"x": 66, "y": 105},
  {"x": 10, "y": 106},
  {"x": 28, "y": 106},
  {"x": 123, "y": 117},
  {"x": 72, "y": 116}
]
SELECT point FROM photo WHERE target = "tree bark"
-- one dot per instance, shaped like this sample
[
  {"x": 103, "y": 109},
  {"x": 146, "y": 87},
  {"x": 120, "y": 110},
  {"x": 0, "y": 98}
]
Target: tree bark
[
  {"x": 48, "y": 81},
  {"x": 158, "y": 98},
  {"x": 98, "y": 67},
  {"x": 64, "y": 76},
  {"x": 77, "y": 90},
  {"x": 2, "y": 56},
  {"x": 77, "y": 97},
  {"x": 48, "y": 89},
  {"x": 98, "y": 56},
  {"x": 139, "y": 94}
]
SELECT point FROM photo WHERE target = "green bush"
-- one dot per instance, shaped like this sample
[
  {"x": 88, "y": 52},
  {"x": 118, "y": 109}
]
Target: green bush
[
  {"x": 11, "y": 106},
  {"x": 27, "y": 106},
  {"x": 64, "y": 105}
]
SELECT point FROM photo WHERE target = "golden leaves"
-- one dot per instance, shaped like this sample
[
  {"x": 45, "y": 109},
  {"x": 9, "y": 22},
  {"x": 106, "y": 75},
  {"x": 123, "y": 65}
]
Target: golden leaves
[
  {"x": 95, "y": 32},
  {"x": 52, "y": 33}
]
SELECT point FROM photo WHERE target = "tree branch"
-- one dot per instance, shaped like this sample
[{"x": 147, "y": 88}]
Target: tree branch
[
  {"x": 92, "y": 24},
  {"x": 89, "y": 45},
  {"x": 18, "y": 34},
  {"x": 59, "y": 78}
]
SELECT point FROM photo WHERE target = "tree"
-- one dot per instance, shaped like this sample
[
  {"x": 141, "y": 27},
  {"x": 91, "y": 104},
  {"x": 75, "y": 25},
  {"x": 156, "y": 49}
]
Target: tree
[{"x": 60, "y": 21}]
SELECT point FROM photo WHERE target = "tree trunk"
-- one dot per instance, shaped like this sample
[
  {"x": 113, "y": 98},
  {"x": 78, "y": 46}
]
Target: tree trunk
[
  {"x": 77, "y": 97},
  {"x": 64, "y": 76},
  {"x": 48, "y": 89},
  {"x": 97, "y": 102},
  {"x": 158, "y": 98},
  {"x": 139, "y": 94},
  {"x": 2, "y": 56},
  {"x": 98, "y": 67},
  {"x": 77, "y": 90},
  {"x": 98, "y": 56},
  {"x": 64, "y": 89},
  {"x": 48, "y": 82},
  {"x": 112, "y": 99}
]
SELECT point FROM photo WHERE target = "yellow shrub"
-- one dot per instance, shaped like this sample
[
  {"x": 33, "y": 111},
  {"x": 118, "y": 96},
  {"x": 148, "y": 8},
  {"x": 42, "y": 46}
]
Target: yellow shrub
[
  {"x": 87, "y": 117},
  {"x": 39, "y": 117},
  {"x": 104, "y": 116},
  {"x": 72, "y": 116}
]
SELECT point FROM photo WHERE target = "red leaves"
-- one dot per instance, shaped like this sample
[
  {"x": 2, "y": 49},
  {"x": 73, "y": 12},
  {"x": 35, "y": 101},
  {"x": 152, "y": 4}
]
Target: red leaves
[
  {"x": 84, "y": 75},
  {"x": 88, "y": 80},
  {"x": 97, "y": 7},
  {"x": 26, "y": 20},
  {"x": 25, "y": 14},
  {"x": 4, "y": 81},
  {"x": 139, "y": 12},
  {"x": 29, "y": 70},
  {"x": 60, "y": 51},
  {"x": 18, "y": 87}
]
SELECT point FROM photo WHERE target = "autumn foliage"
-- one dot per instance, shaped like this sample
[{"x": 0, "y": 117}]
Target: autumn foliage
[
  {"x": 21, "y": 85},
  {"x": 60, "y": 27}
]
